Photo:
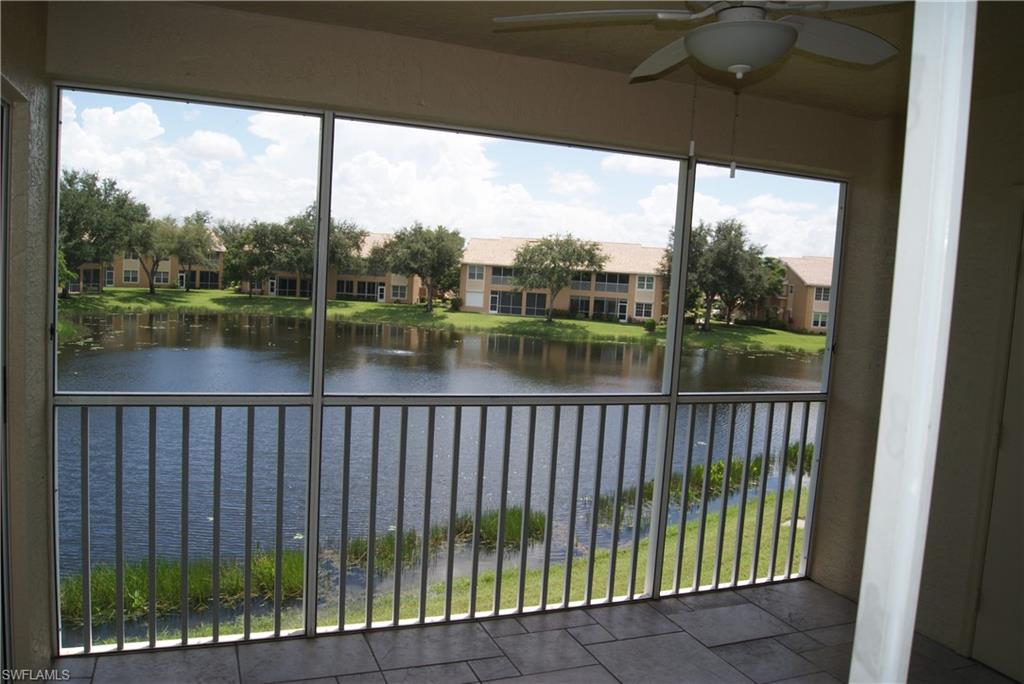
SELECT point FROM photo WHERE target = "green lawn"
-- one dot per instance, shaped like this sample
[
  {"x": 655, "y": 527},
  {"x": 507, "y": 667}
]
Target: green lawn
[
  {"x": 731, "y": 338},
  {"x": 409, "y": 602}
]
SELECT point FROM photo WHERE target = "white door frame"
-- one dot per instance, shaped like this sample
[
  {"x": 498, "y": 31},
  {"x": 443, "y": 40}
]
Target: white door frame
[
  {"x": 272, "y": 287},
  {"x": 181, "y": 279},
  {"x": 382, "y": 291},
  {"x": 494, "y": 303},
  {"x": 623, "y": 310}
]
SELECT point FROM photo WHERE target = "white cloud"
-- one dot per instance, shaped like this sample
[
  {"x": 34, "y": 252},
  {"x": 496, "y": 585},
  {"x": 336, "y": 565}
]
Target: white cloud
[
  {"x": 571, "y": 183},
  {"x": 705, "y": 171},
  {"x": 191, "y": 114},
  {"x": 769, "y": 202},
  {"x": 212, "y": 145},
  {"x": 643, "y": 166}
]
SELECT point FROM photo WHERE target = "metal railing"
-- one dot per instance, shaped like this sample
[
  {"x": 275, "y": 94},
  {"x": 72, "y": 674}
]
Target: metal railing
[{"x": 427, "y": 508}]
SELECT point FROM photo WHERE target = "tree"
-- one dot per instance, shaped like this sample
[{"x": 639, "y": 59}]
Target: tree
[
  {"x": 153, "y": 240},
  {"x": 550, "y": 262},
  {"x": 193, "y": 243},
  {"x": 425, "y": 252},
  {"x": 345, "y": 246},
  {"x": 250, "y": 251},
  {"x": 94, "y": 218}
]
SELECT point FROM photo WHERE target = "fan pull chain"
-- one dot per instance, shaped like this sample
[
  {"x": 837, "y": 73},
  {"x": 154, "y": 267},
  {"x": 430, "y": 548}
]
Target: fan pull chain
[
  {"x": 693, "y": 117},
  {"x": 732, "y": 145}
]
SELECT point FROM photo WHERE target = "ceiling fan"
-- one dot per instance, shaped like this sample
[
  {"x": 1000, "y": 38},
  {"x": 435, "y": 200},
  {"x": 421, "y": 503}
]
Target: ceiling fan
[{"x": 740, "y": 38}]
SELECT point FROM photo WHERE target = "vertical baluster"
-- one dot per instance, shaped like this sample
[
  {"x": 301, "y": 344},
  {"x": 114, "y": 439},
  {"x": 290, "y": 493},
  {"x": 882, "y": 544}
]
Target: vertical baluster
[
  {"x": 477, "y": 503},
  {"x": 684, "y": 497},
  {"x": 215, "y": 588},
  {"x": 152, "y": 527},
  {"x": 371, "y": 526},
  {"x": 797, "y": 490},
  {"x": 588, "y": 589},
  {"x": 762, "y": 488},
  {"x": 452, "y": 511},
  {"x": 503, "y": 502},
  {"x": 783, "y": 457},
  {"x": 702, "y": 523},
  {"x": 119, "y": 521},
  {"x": 717, "y": 571},
  {"x": 427, "y": 495},
  {"x": 183, "y": 573},
  {"x": 86, "y": 575},
  {"x": 247, "y": 570},
  {"x": 346, "y": 455},
  {"x": 549, "y": 520},
  {"x": 638, "y": 504},
  {"x": 279, "y": 519},
  {"x": 616, "y": 519},
  {"x": 524, "y": 525},
  {"x": 571, "y": 543},
  {"x": 403, "y": 443},
  {"x": 742, "y": 510},
  {"x": 812, "y": 483}
]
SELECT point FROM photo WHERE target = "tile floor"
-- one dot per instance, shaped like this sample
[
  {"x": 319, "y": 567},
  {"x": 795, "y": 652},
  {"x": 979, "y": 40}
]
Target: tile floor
[{"x": 795, "y": 632}]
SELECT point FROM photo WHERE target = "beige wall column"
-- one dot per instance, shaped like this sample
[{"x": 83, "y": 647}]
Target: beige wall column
[{"x": 28, "y": 466}]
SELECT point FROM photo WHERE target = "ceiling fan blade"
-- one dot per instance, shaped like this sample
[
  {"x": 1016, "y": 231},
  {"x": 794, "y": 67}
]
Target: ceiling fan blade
[
  {"x": 665, "y": 58},
  {"x": 839, "y": 41},
  {"x": 824, "y": 6},
  {"x": 609, "y": 16}
]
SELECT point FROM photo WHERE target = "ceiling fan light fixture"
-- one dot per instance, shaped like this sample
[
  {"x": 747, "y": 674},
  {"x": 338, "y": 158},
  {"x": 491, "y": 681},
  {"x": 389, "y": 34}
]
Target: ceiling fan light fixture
[{"x": 740, "y": 46}]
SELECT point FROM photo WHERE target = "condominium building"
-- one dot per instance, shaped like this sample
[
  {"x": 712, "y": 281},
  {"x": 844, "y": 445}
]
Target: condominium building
[
  {"x": 125, "y": 270},
  {"x": 390, "y": 288},
  {"x": 627, "y": 289},
  {"x": 805, "y": 302}
]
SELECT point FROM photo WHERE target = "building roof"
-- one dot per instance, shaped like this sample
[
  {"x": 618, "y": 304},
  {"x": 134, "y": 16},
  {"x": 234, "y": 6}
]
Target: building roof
[
  {"x": 814, "y": 271},
  {"x": 623, "y": 257}
]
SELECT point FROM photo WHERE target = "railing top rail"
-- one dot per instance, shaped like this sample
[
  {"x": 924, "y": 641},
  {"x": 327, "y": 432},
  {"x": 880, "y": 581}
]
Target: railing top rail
[{"x": 637, "y": 399}]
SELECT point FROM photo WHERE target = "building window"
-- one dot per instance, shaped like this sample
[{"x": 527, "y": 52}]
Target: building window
[
  {"x": 643, "y": 310},
  {"x": 580, "y": 281},
  {"x": 210, "y": 280},
  {"x": 612, "y": 282},
  {"x": 579, "y": 306},
  {"x": 645, "y": 282},
  {"x": 161, "y": 278},
  {"x": 606, "y": 308},
  {"x": 131, "y": 276},
  {"x": 502, "y": 275},
  {"x": 821, "y": 294},
  {"x": 819, "y": 319},
  {"x": 475, "y": 272},
  {"x": 536, "y": 304},
  {"x": 398, "y": 293},
  {"x": 131, "y": 255},
  {"x": 367, "y": 289},
  {"x": 790, "y": 289},
  {"x": 510, "y": 302},
  {"x": 345, "y": 288},
  {"x": 108, "y": 277}
]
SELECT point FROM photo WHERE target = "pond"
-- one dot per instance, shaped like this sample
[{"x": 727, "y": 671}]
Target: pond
[{"x": 237, "y": 353}]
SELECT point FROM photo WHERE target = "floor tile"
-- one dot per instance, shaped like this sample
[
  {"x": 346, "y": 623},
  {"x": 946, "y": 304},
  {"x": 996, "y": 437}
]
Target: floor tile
[
  {"x": 677, "y": 658},
  {"x": 448, "y": 673},
  {"x": 364, "y": 678},
  {"x": 712, "y": 599},
  {"x": 765, "y": 660},
  {"x": 493, "y": 668},
  {"x": 798, "y": 642},
  {"x": 591, "y": 634},
  {"x": 563, "y": 619},
  {"x": 669, "y": 606},
  {"x": 326, "y": 656},
  {"x": 632, "y": 620},
  {"x": 979, "y": 674},
  {"x": 925, "y": 671},
  {"x": 717, "y": 626},
  {"x": 502, "y": 627},
  {"x": 216, "y": 665},
  {"x": 593, "y": 674},
  {"x": 833, "y": 659},
  {"x": 816, "y": 678},
  {"x": 332, "y": 680},
  {"x": 830, "y": 636},
  {"x": 413, "y": 647},
  {"x": 77, "y": 667},
  {"x": 544, "y": 651},
  {"x": 803, "y": 604}
]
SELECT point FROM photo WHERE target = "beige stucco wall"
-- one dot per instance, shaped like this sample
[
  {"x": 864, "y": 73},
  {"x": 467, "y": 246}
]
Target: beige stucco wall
[
  {"x": 987, "y": 262},
  {"x": 28, "y": 471},
  {"x": 191, "y": 49}
]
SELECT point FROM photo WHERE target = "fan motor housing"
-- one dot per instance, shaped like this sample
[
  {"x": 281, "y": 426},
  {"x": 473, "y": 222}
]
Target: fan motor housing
[{"x": 740, "y": 46}]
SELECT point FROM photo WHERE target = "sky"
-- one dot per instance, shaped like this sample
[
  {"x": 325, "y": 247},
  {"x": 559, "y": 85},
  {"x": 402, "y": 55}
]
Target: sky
[{"x": 242, "y": 164}]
